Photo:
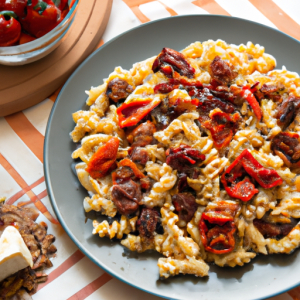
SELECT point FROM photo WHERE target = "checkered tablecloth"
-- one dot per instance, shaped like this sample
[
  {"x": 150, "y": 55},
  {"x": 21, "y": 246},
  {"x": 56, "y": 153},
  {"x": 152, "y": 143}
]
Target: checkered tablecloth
[{"x": 74, "y": 276}]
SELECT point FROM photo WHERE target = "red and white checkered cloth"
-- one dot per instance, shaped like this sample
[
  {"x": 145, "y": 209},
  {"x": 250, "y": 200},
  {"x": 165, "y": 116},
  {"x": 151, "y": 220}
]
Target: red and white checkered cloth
[{"x": 74, "y": 276}]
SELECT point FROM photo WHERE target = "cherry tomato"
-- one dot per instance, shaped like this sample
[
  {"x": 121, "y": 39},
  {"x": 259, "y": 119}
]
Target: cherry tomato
[{"x": 10, "y": 28}]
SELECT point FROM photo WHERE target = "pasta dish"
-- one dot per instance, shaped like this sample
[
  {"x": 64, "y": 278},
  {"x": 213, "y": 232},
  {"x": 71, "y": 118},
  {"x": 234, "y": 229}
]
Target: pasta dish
[{"x": 196, "y": 155}]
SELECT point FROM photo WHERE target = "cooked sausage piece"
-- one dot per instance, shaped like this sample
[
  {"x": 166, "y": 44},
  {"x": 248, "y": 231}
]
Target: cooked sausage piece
[
  {"x": 222, "y": 72},
  {"x": 118, "y": 89},
  {"x": 287, "y": 111},
  {"x": 185, "y": 205},
  {"x": 139, "y": 156},
  {"x": 126, "y": 197},
  {"x": 142, "y": 135},
  {"x": 288, "y": 145},
  {"x": 147, "y": 222},
  {"x": 273, "y": 230}
]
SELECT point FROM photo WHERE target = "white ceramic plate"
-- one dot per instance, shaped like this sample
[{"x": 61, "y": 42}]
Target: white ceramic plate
[{"x": 264, "y": 276}]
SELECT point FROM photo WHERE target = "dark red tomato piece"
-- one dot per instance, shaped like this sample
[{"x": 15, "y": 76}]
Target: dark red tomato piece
[
  {"x": 222, "y": 127},
  {"x": 286, "y": 145},
  {"x": 42, "y": 17},
  {"x": 174, "y": 59},
  {"x": 17, "y": 6},
  {"x": 217, "y": 227},
  {"x": 183, "y": 157},
  {"x": 10, "y": 29}
]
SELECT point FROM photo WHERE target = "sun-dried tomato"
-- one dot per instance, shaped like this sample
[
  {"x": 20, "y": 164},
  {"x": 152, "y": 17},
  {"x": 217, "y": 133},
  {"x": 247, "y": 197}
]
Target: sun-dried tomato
[
  {"x": 238, "y": 185},
  {"x": 183, "y": 157},
  {"x": 248, "y": 95},
  {"x": 182, "y": 105},
  {"x": 217, "y": 227},
  {"x": 131, "y": 113},
  {"x": 269, "y": 91},
  {"x": 175, "y": 83},
  {"x": 104, "y": 159},
  {"x": 174, "y": 59},
  {"x": 286, "y": 145},
  {"x": 167, "y": 70},
  {"x": 223, "y": 92},
  {"x": 222, "y": 127}
]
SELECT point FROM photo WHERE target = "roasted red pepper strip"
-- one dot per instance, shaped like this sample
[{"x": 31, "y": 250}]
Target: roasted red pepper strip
[
  {"x": 104, "y": 160},
  {"x": 42, "y": 17},
  {"x": 248, "y": 95},
  {"x": 219, "y": 233},
  {"x": 235, "y": 183},
  {"x": 131, "y": 113},
  {"x": 222, "y": 127},
  {"x": 10, "y": 28},
  {"x": 267, "y": 178},
  {"x": 243, "y": 190}
]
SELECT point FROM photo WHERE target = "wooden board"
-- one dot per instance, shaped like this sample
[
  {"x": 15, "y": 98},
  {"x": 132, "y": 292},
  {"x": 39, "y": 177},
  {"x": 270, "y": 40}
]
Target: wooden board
[{"x": 25, "y": 86}]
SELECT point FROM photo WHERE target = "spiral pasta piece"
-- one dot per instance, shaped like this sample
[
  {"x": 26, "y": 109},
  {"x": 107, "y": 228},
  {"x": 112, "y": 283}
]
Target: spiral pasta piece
[
  {"x": 166, "y": 179},
  {"x": 171, "y": 267},
  {"x": 116, "y": 229},
  {"x": 236, "y": 258},
  {"x": 100, "y": 204}
]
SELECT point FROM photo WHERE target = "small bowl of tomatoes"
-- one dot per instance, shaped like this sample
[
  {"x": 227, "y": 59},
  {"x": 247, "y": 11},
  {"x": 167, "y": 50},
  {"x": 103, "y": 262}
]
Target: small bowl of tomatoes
[{"x": 31, "y": 29}]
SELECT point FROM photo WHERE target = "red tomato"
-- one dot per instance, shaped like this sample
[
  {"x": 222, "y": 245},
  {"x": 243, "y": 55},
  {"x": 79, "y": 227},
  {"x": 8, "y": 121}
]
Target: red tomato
[
  {"x": 17, "y": 6},
  {"x": 10, "y": 29},
  {"x": 41, "y": 18}
]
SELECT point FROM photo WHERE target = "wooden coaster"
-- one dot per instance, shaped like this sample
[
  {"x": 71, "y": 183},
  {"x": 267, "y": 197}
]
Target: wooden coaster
[{"x": 25, "y": 86}]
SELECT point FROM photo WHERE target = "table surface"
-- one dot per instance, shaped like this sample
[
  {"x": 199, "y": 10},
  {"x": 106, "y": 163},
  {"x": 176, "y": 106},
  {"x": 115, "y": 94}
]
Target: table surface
[{"x": 74, "y": 276}]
